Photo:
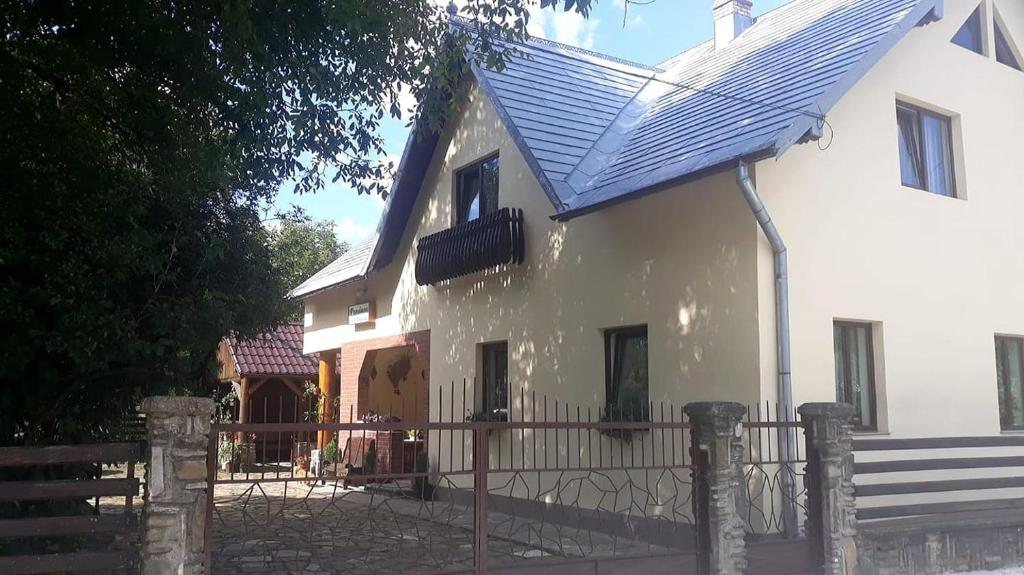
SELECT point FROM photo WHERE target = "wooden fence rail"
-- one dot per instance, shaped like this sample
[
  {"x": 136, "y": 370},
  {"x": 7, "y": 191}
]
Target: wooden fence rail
[{"x": 119, "y": 531}]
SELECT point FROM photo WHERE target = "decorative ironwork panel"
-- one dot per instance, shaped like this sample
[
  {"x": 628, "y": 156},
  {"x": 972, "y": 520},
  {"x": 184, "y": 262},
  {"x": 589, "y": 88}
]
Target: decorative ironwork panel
[
  {"x": 775, "y": 502},
  {"x": 592, "y": 514},
  {"x": 546, "y": 481},
  {"x": 338, "y": 527},
  {"x": 487, "y": 242}
]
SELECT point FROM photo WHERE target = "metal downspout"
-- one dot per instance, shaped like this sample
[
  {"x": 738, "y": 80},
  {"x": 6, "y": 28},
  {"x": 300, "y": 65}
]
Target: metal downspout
[{"x": 782, "y": 335}]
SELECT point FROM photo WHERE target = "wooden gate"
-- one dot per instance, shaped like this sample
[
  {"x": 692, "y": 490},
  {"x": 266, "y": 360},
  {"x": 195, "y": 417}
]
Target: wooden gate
[{"x": 90, "y": 521}]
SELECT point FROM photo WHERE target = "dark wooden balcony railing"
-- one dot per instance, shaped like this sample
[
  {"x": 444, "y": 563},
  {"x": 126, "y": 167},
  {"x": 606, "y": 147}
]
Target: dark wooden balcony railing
[{"x": 490, "y": 241}]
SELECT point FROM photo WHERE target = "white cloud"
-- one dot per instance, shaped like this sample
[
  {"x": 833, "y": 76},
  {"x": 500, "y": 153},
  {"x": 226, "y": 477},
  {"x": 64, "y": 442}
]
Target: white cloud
[
  {"x": 566, "y": 27},
  {"x": 538, "y": 22},
  {"x": 351, "y": 231}
]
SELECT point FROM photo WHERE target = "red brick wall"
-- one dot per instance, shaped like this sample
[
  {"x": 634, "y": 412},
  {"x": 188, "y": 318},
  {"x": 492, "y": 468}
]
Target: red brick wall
[{"x": 354, "y": 393}]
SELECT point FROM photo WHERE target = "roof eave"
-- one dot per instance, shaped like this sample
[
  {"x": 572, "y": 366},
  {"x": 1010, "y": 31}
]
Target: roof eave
[
  {"x": 810, "y": 124},
  {"x": 320, "y": 290},
  {"x": 718, "y": 168}
]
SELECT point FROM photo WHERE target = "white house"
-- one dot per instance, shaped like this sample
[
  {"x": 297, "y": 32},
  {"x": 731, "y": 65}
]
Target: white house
[{"x": 586, "y": 228}]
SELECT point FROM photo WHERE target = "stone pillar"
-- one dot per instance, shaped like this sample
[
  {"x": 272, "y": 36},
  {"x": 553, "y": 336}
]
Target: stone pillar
[
  {"x": 831, "y": 506},
  {"x": 717, "y": 484},
  {"x": 174, "y": 516}
]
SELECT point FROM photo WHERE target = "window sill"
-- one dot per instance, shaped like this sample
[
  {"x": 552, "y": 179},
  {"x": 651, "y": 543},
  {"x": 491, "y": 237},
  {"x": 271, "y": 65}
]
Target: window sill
[
  {"x": 875, "y": 433},
  {"x": 958, "y": 196},
  {"x": 1011, "y": 431}
]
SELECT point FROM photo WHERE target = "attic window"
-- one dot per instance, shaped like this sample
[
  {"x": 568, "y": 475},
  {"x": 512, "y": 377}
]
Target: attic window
[
  {"x": 1004, "y": 49},
  {"x": 969, "y": 35},
  {"x": 926, "y": 151},
  {"x": 476, "y": 190}
]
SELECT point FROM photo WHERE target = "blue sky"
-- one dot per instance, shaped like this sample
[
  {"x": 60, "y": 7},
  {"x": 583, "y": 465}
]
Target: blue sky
[{"x": 652, "y": 33}]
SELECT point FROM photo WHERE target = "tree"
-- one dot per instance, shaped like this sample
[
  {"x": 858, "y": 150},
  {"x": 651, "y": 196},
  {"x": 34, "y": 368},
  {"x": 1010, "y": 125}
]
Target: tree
[
  {"x": 299, "y": 249},
  {"x": 140, "y": 141}
]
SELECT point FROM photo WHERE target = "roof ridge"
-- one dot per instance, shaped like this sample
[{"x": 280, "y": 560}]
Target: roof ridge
[
  {"x": 531, "y": 39},
  {"x": 618, "y": 128},
  {"x": 592, "y": 53}
]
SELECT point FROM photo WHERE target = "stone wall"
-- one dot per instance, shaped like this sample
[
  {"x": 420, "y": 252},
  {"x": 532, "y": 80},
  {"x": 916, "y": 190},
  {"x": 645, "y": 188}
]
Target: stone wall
[{"x": 951, "y": 543}]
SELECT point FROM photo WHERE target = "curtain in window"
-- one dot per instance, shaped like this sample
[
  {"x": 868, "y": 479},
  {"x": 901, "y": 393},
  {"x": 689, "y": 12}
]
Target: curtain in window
[
  {"x": 935, "y": 131},
  {"x": 855, "y": 378},
  {"x": 495, "y": 377},
  {"x": 629, "y": 374},
  {"x": 1008, "y": 378},
  {"x": 911, "y": 158},
  {"x": 469, "y": 195},
  {"x": 861, "y": 375},
  {"x": 489, "y": 186}
]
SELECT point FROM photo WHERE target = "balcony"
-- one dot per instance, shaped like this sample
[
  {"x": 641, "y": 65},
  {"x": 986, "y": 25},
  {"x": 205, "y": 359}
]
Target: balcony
[{"x": 490, "y": 241}]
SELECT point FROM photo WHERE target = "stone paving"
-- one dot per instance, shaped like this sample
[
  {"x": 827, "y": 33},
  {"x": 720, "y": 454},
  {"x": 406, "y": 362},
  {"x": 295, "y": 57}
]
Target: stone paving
[{"x": 298, "y": 528}]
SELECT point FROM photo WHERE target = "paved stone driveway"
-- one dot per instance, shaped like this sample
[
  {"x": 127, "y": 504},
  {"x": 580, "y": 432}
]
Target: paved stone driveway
[{"x": 293, "y": 528}]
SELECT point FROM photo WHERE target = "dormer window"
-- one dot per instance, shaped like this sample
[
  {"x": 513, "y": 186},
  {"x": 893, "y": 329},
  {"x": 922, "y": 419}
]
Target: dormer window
[{"x": 476, "y": 190}]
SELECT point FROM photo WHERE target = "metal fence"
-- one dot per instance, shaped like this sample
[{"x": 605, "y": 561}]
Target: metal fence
[{"x": 542, "y": 483}]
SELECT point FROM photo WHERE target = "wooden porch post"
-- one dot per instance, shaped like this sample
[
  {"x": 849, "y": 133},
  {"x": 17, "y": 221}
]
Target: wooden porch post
[
  {"x": 328, "y": 373},
  {"x": 243, "y": 406}
]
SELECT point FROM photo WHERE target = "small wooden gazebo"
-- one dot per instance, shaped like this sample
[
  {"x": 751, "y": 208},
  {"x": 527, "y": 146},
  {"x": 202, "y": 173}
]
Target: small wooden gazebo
[{"x": 269, "y": 374}]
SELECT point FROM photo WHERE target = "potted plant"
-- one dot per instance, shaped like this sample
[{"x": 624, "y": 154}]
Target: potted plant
[
  {"x": 493, "y": 415},
  {"x": 225, "y": 454},
  {"x": 615, "y": 414},
  {"x": 398, "y": 372},
  {"x": 329, "y": 457},
  {"x": 483, "y": 416}
]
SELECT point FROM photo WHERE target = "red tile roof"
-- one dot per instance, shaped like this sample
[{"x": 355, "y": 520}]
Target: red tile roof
[{"x": 275, "y": 353}]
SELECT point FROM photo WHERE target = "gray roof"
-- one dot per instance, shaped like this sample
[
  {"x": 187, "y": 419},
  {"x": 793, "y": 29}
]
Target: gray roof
[
  {"x": 350, "y": 266},
  {"x": 598, "y": 130}
]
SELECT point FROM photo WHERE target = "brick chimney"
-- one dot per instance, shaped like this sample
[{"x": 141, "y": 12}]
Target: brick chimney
[{"x": 732, "y": 17}]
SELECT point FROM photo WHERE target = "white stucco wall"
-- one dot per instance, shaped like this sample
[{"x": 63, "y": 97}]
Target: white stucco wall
[
  {"x": 942, "y": 276},
  {"x": 681, "y": 262}
]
